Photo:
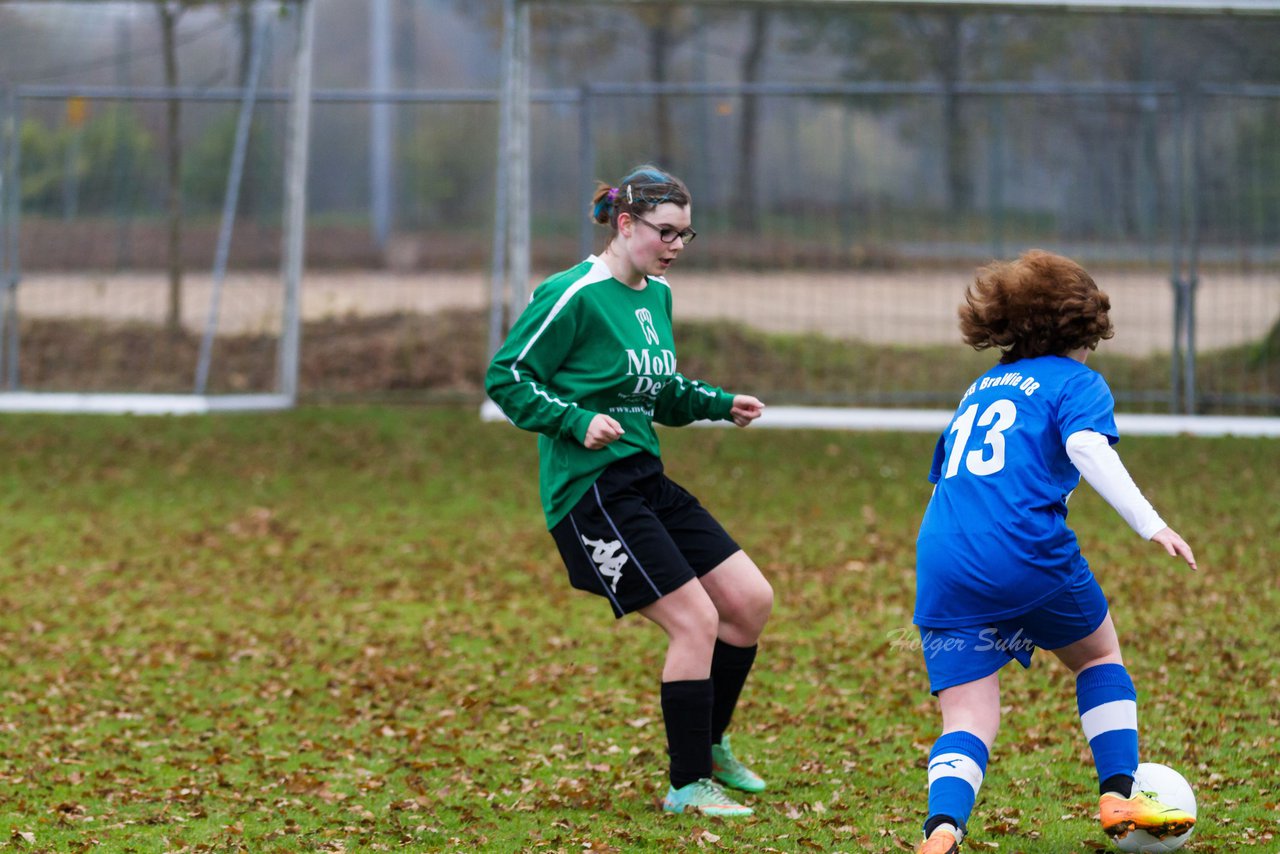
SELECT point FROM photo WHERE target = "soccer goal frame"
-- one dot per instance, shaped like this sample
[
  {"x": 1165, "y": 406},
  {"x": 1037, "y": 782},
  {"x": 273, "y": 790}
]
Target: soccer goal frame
[
  {"x": 14, "y": 399},
  {"x": 511, "y": 266}
]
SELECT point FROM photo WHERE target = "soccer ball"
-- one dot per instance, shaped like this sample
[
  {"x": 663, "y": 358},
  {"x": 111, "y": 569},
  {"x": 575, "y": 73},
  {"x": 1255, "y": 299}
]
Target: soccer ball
[{"x": 1170, "y": 789}]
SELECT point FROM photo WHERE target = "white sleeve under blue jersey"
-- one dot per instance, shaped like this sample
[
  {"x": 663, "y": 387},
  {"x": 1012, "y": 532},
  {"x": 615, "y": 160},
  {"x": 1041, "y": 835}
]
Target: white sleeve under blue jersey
[{"x": 994, "y": 542}]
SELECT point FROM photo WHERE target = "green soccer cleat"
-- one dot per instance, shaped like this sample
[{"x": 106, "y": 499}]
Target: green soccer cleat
[
  {"x": 726, "y": 768},
  {"x": 703, "y": 796}
]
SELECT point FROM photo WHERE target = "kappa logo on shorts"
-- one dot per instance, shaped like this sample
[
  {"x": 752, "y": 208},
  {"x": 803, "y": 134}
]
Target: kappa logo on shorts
[
  {"x": 606, "y": 558},
  {"x": 646, "y": 324}
]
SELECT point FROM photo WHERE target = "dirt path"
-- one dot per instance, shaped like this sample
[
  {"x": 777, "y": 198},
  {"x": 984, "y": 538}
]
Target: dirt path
[{"x": 880, "y": 307}]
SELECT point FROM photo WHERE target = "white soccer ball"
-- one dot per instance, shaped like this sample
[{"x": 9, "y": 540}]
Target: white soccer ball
[{"x": 1170, "y": 789}]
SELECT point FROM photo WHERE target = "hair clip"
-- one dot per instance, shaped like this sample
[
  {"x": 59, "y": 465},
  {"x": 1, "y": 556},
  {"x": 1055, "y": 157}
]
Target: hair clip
[{"x": 630, "y": 200}]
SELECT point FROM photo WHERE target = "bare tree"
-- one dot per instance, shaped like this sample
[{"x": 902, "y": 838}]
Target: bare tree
[
  {"x": 658, "y": 28},
  {"x": 244, "y": 34},
  {"x": 948, "y": 46},
  {"x": 580, "y": 41},
  {"x": 169, "y": 13},
  {"x": 745, "y": 214},
  {"x": 946, "y": 37}
]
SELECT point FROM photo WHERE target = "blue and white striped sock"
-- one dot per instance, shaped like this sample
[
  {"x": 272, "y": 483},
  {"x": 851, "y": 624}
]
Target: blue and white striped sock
[
  {"x": 957, "y": 764},
  {"x": 1108, "y": 707}
]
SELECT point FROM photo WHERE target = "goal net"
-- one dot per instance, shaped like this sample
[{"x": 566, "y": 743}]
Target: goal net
[{"x": 151, "y": 216}]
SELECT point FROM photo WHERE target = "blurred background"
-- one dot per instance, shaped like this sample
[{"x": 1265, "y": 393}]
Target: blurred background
[{"x": 850, "y": 168}]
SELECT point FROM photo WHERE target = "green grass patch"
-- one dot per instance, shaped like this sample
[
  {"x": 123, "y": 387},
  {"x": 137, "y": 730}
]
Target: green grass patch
[
  {"x": 344, "y": 629},
  {"x": 814, "y": 369}
]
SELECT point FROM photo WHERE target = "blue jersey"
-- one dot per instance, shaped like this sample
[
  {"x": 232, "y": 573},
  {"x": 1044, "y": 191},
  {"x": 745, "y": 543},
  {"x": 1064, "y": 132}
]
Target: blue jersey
[{"x": 994, "y": 542}]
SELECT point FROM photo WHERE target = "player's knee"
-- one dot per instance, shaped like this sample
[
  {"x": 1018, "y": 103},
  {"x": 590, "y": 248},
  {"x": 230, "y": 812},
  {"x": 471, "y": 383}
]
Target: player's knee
[
  {"x": 748, "y": 611},
  {"x": 698, "y": 625},
  {"x": 760, "y": 604}
]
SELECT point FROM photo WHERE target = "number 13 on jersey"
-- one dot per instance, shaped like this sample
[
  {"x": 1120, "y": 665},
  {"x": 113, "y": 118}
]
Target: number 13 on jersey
[{"x": 997, "y": 418}]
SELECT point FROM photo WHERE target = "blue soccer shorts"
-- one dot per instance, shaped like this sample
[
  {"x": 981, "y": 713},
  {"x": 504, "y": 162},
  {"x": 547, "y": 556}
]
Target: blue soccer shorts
[{"x": 958, "y": 655}]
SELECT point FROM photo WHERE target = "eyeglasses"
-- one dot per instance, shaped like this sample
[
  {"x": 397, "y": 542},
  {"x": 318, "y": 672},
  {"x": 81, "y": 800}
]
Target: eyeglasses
[{"x": 667, "y": 234}]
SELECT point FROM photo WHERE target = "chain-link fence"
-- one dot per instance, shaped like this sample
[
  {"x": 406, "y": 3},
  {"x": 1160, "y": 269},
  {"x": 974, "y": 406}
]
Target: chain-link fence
[{"x": 838, "y": 227}]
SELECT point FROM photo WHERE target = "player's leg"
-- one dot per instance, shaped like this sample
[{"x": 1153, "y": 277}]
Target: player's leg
[
  {"x": 690, "y": 620},
  {"x": 615, "y": 546},
  {"x": 958, "y": 760},
  {"x": 743, "y": 599},
  {"x": 1108, "y": 705}
]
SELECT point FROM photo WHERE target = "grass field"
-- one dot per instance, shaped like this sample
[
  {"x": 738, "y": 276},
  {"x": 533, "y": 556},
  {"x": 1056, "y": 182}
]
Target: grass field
[{"x": 346, "y": 630}]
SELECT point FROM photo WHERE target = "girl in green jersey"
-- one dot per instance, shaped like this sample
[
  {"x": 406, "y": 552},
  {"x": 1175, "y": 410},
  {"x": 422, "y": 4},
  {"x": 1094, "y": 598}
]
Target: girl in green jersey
[{"x": 590, "y": 366}]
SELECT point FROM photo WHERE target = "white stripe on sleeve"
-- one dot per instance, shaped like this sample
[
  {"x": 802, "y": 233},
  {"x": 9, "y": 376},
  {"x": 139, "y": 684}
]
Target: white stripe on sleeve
[{"x": 598, "y": 273}]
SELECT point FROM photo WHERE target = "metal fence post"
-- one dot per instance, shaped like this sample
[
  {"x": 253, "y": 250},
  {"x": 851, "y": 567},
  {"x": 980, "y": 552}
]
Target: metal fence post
[
  {"x": 502, "y": 183},
  {"x": 1178, "y": 233},
  {"x": 381, "y": 153},
  {"x": 4, "y": 221},
  {"x": 11, "y": 269},
  {"x": 587, "y": 167},
  {"x": 296, "y": 201},
  {"x": 521, "y": 140},
  {"x": 1192, "y": 276}
]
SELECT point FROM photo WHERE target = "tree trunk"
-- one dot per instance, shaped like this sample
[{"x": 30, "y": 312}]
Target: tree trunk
[
  {"x": 244, "y": 27},
  {"x": 744, "y": 213},
  {"x": 659, "y": 40},
  {"x": 173, "y": 161},
  {"x": 955, "y": 137}
]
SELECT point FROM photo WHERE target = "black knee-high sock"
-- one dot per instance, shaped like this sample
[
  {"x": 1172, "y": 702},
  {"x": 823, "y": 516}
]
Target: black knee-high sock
[
  {"x": 686, "y": 711},
  {"x": 729, "y": 668}
]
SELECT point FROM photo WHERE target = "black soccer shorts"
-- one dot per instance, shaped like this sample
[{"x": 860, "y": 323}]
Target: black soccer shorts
[{"x": 637, "y": 535}]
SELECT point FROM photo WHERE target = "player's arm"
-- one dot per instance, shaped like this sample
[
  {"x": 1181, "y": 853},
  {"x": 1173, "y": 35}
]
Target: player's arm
[
  {"x": 935, "y": 467},
  {"x": 1100, "y": 465},
  {"x": 535, "y": 349},
  {"x": 683, "y": 401}
]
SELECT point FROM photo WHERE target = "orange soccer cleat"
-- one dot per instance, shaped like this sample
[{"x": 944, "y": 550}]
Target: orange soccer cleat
[
  {"x": 941, "y": 841},
  {"x": 1141, "y": 811}
]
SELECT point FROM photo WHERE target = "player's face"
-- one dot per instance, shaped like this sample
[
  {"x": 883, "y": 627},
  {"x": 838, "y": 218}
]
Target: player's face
[{"x": 649, "y": 253}]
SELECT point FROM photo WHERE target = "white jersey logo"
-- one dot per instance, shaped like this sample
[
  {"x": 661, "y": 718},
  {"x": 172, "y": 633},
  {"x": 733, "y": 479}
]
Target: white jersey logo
[
  {"x": 646, "y": 324},
  {"x": 606, "y": 557}
]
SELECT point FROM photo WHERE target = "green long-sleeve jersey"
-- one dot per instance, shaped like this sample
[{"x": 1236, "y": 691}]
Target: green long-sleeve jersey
[{"x": 588, "y": 344}]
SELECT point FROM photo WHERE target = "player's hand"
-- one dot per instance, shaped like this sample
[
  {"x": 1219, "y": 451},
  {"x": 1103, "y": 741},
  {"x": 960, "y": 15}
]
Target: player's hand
[
  {"x": 1174, "y": 545},
  {"x": 745, "y": 409},
  {"x": 602, "y": 431}
]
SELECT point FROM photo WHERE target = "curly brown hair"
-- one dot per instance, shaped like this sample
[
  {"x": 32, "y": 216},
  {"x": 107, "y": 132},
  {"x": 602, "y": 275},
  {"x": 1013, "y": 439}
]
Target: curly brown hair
[{"x": 1041, "y": 304}]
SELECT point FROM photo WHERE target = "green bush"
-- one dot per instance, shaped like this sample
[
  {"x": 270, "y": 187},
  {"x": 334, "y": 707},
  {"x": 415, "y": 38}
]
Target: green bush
[{"x": 113, "y": 158}]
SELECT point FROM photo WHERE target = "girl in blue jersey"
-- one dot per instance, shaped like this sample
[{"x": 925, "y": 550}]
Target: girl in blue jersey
[{"x": 998, "y": 572}]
